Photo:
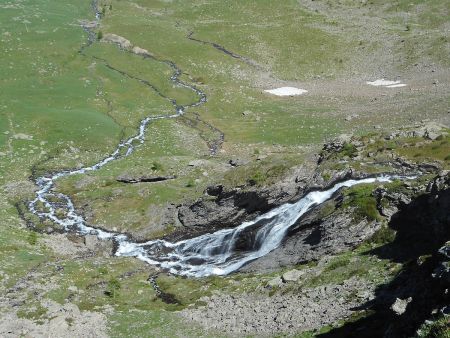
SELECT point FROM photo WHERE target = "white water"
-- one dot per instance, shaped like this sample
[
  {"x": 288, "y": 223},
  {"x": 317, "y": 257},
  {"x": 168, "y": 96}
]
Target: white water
[{"x": 209, "y": 254}]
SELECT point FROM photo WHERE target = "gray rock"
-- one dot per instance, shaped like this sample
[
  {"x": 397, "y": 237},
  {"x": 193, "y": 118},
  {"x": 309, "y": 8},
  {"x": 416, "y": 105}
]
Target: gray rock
[
  {"x": 91, "y": 241},
  {"x": 275, "y": 282},
  {"x": 292, "y": 275},
  {"x": 196, "y": 163},
  {"x": 399, "y": 306},
  {"x": 236, "y": 162},
  {"x": 432, "y": 135}
]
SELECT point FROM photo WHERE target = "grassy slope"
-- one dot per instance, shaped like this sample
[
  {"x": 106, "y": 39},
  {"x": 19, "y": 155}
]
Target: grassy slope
[{"x": 76, "y": 110}]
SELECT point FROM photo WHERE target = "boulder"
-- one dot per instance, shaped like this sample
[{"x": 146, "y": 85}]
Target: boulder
[
  {"x": 292, "y": 275},
  {"x": 399, "y": 306},
  {"x": 275, "y": 282}
]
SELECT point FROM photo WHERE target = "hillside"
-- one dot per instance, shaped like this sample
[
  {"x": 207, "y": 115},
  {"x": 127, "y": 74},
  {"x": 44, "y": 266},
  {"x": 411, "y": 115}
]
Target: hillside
[{"x": 135, "y": 133}]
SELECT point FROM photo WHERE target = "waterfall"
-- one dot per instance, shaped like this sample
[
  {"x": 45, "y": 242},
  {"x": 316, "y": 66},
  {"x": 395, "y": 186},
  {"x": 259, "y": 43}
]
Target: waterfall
[{"x": 215, "y": 254}]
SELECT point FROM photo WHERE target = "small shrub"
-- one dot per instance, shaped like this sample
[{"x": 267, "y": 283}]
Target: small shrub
[
  {"x": 364, "y": 202},
  {"x": 156, "y": 166},
  {"x": 257, "y": 178},
  {"x": 384, "y": 235},
  {"x": 113, "y": 287},
  {"x": 326, "y": 176},
  {"x": 349, "y": 150},
  {"x": 103, "y": 270},
  {"x": 190, "y": 183},
  {"x": 99, "y": 35}
]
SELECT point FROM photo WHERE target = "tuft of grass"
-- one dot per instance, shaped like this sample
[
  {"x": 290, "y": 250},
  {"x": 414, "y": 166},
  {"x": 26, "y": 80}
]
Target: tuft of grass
[
  {"x": 361, "y": 197},
  {"x": 32, "y": 238},
  {"x": 382, "y": 236},
  {"x": 349, "y": 150},
  {"x": 156, "y": 166},
  {"x": 113, "y": 287}
]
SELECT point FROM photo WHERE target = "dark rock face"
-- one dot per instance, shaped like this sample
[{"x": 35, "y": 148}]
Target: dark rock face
[
  {"x": 421, "y": 245},
  {"x": 229, "y": 208}
]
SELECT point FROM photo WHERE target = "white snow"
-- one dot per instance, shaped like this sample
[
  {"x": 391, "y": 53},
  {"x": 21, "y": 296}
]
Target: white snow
[
  {"x": 386, "y": 83},
  {"x": 286, "y": 91}
]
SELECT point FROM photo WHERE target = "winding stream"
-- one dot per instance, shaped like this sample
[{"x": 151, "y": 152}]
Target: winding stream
[{"x": 209, "y": 254}]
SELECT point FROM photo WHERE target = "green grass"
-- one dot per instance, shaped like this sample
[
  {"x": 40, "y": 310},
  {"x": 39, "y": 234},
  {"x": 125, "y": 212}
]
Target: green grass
[
  {"x": 355, "y": 263},
  {"x": 361, "y": 198}
]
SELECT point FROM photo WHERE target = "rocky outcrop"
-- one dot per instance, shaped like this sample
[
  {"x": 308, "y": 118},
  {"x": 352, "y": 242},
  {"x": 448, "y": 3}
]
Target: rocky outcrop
[
  {"x": 420, "y": 291},
  {"x": 224, "y": 208},
  {"x": 330, "y": 228},
  {"x": 263, "y": 316},
  {"x": 125, "y": 44}
]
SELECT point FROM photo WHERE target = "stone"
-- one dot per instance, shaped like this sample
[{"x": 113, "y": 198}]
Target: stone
[
  {"x": 236, "y": 162},
  {"x": 140, "y": 51},
  {"x": 432, "y": 135},
  {"x": 292, "y": 275},
  {"x": 72, "y": 288},
  {"x": 399, "y": 306},
  {"x": 275, "y": 282},
  {"x": 91, "y": 241},
  {"x": 214, "y": 190},
  {"x": 195, "y": 163}
]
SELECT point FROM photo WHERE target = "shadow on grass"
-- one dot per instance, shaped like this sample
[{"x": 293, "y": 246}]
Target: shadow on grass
[{"x": 422, "y": 228}]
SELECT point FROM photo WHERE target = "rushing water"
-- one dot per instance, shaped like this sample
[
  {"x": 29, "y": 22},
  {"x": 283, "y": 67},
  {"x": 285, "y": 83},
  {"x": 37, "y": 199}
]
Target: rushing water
[
  {"x": 200, "y": 256},
  {"x": 215, "y": 254}
]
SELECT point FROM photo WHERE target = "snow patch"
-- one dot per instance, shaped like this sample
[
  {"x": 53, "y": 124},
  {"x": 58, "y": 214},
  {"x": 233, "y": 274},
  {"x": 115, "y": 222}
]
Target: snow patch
[
  {"x": 386, "y": 83},
  {"x": 286, "y": 91}
]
